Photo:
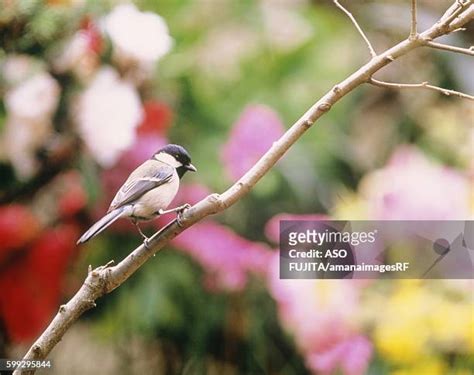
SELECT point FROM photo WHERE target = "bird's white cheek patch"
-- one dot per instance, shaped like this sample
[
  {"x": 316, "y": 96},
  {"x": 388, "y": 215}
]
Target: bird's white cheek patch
[{"x": 168, "y": 159}]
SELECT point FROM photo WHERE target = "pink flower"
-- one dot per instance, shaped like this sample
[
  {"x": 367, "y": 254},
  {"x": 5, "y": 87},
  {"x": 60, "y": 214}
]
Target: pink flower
[
  {"x": 350, "y": 356},
  {"x": 321, "y": 315},
  {"x": 251, "y": 136},
  {"x": 413, "y": 187},
  {"x": 226, "y": 257}
]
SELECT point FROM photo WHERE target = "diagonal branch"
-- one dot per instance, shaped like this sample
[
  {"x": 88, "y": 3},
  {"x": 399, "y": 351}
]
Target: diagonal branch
[
  {"x": 423, "y": 85},
  {"x": 105, "y": 279},
  {"x": 359, "y": 29},
  {"x": 454, "y": 11}
]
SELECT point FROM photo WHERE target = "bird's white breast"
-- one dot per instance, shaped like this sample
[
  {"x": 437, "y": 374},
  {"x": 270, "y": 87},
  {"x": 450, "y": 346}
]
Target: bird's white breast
[{"x": 157, "y": 199}]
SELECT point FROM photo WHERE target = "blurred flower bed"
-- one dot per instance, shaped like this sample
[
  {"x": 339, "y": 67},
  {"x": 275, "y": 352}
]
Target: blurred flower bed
[{"x": 89, "y": 90}]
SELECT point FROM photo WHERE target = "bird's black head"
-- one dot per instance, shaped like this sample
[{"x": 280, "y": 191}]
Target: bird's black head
[{"x": 180, "y": 157}]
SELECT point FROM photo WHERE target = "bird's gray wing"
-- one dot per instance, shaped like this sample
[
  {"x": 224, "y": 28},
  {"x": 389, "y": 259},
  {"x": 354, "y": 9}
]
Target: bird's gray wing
[{"x": 135, "y": 187}]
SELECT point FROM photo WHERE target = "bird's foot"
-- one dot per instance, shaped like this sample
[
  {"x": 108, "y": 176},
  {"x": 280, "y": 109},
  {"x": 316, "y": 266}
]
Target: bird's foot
[
  {"x": 146, "y": 243},
  {"x": 176, "y": 209},
  {"x": 183, "y": 208},
  {"x": 101, "y": 268},
  {"x": 145, "y": 238},
  {"x": 179, "y": 217}
]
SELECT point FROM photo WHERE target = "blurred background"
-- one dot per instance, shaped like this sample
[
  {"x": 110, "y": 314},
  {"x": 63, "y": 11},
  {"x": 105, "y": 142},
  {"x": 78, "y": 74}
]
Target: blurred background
[{"x": 91, "y": 89}]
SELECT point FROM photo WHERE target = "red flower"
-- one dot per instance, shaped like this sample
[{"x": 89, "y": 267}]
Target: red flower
[
  {"x": 31, "y": 287},
  {"x": 157, "y": 118},
  {"x": 92, "y": 34},
  {"x": 18, "y": 227},
  {"x": 74, "y": 198}
]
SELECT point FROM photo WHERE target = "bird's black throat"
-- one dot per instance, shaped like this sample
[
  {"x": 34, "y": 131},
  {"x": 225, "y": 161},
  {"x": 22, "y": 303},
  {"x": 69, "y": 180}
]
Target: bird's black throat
[{"x": 181, "y": 171}]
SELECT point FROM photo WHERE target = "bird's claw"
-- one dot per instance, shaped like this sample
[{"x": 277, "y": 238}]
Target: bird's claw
[
  {"x": 179, "y": 217},
  {"x": 146, "y": 243},
  {"x": 184, "y": 207}
]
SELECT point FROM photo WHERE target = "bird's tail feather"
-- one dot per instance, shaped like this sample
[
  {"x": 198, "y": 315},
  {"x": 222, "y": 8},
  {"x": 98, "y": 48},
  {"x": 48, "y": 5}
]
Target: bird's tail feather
[{"x": 101, "y": 224}]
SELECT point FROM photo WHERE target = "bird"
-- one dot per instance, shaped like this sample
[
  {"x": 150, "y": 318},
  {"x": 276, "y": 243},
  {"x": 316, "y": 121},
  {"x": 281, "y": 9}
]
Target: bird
[{"x": 148, "y": 191}]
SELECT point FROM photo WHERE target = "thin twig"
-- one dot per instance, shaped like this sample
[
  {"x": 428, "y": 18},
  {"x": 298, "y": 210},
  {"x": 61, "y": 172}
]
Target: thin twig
[
  {"x": 359, "y": 29},
  {"x": 413, "y": 28},
  {"x": 104, "y": 280},
  {"x": 467, "y": 51},
  {"x": 454, "y": 11},
  {"x": 423, "y": 85}
]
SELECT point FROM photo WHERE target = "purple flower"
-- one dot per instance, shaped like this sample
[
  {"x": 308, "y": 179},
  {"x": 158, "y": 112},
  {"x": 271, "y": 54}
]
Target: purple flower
[{"x": 251, "y": 136}]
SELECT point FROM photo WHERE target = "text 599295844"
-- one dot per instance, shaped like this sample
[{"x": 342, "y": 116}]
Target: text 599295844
[{"x": 13, "y": 364}]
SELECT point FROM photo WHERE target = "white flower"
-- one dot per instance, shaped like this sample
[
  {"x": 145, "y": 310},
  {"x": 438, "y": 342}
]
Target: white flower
[
  {"x": 107, "y": 115},
  {"x": 17, "y": 68},
  {"x": 222, "y": 52},
  {"x": 21, "y": 141},
  {"x": 141, "y": 37},
  {"x": 295, "y": 32},
  {"x": 35, "y": 99},
  {"x": 76, "y": 56},
  {"x": 71, "y": 54},
  {"x": 30, "y": 106}
]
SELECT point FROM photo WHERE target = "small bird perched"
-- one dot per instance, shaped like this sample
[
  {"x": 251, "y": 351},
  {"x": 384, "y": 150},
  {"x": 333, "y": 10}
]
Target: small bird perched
[{"x": 148, "y": 191}]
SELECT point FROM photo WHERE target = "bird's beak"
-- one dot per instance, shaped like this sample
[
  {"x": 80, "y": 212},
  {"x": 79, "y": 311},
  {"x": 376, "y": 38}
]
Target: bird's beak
[{"x": 191, "y": 167}]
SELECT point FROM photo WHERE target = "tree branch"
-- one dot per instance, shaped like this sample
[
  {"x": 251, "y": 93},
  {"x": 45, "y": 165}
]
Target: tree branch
[
  {"x": 413, "y": 28},
  {"x": 423, "y": 85},
  {"x": 105, "y": 279},
  {"x": 454, "y": 11},
  {"x": 467, "y": 51},
  {"x": 359, "y": 29}
]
